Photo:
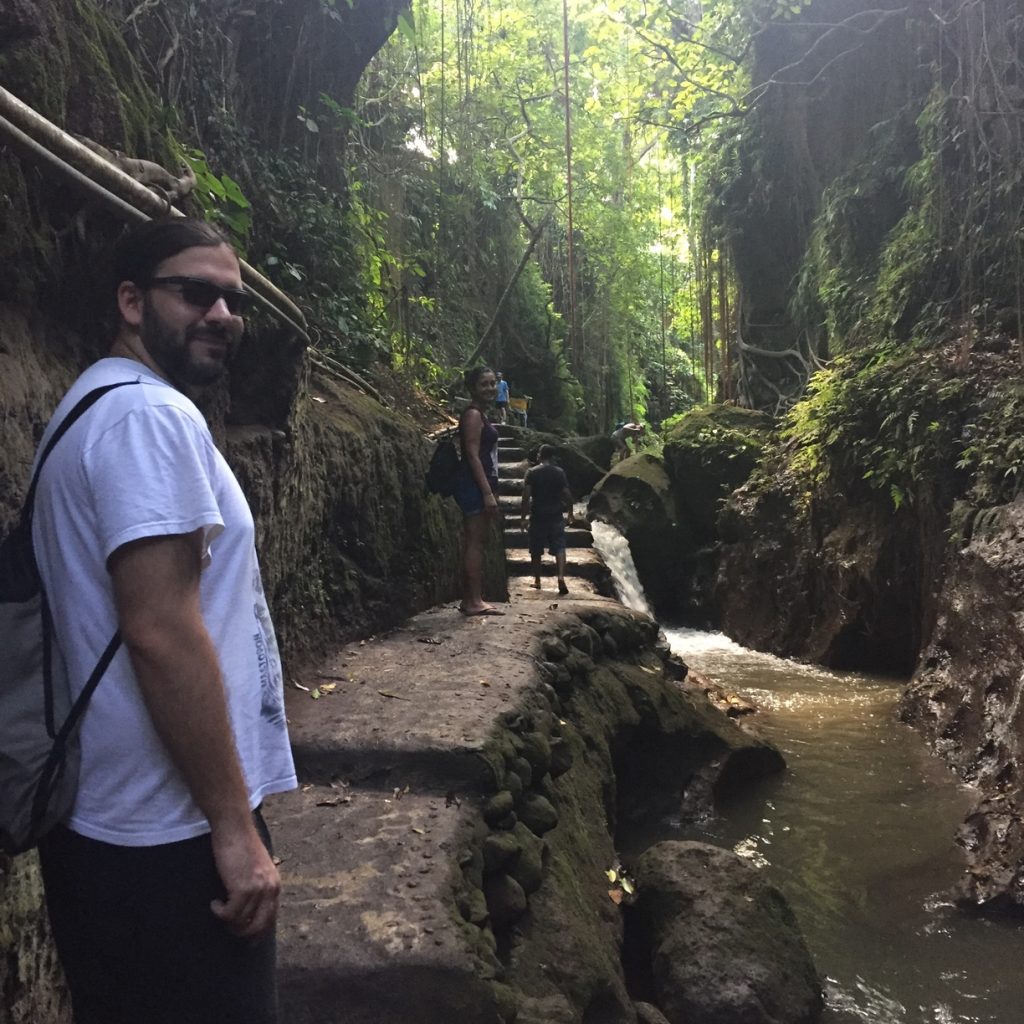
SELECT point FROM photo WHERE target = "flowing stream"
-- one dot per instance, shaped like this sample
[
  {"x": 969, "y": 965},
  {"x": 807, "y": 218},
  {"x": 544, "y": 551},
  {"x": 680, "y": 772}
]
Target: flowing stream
[{"x": 857, "y": 833}]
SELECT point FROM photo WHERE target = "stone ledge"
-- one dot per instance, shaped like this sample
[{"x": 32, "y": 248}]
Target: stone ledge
[{"x": 455, "y": 869}]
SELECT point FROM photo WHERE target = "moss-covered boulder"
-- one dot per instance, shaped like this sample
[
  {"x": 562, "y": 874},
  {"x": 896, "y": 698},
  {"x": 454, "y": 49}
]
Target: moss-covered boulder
[
  {"x": 710, "y": 452},
  {"x": 584, "y": 459},
  {"x": 721, "y": 944},
  {"x": 636, "y": 498}
]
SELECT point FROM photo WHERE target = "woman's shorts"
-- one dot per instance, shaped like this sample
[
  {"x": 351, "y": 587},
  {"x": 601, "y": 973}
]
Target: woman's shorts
[{"x": 468, "y": 496}]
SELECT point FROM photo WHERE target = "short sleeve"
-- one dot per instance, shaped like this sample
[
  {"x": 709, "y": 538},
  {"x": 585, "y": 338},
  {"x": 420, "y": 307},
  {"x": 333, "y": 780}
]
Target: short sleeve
[{"x": 149, "y": 475}]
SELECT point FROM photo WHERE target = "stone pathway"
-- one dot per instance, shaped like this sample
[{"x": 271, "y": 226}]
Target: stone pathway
[{"x": 585, "y": 573}]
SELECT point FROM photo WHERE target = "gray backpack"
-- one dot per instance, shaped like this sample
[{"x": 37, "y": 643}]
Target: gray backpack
[{"x": 39, "y": 753}]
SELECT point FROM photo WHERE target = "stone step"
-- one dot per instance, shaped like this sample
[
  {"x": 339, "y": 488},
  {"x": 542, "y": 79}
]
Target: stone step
[
  {"x": 509, "y": 503},
  {"x": 510, "y": 453},
  {"x": 582, "y": 562},
  {"x": 575, "y": 537},
  {"x": 510, "y": 485},
  {"x": 516, "y": 470}
]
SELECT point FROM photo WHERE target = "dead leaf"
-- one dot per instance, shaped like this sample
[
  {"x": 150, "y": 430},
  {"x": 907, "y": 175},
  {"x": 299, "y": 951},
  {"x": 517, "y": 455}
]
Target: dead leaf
[
  {"x": 319, "y": 401},
  {"x": 327, "y": 687},
  {"x": 429, "y": 640},
  {"x": 334, "y": 801},
  {"x": 627, "y": 886},
  {"x": 393, "y": 696},
  {"x": 420, "y": 831},
  {"x": 299, "y": 686},
  {"x": 612, "y": 875},
  {"x": 315, "y": 694},
  {"x": 615, "y": 895},
  {"x": 483, "y": 682}
]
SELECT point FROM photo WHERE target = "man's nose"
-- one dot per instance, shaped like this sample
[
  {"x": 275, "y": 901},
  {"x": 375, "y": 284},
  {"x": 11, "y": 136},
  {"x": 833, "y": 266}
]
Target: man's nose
[{"x": 219, "y": 312}]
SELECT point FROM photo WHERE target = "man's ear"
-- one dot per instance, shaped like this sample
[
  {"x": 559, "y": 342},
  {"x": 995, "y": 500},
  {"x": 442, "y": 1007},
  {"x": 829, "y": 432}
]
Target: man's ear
[{"x": 129, "y": 303}]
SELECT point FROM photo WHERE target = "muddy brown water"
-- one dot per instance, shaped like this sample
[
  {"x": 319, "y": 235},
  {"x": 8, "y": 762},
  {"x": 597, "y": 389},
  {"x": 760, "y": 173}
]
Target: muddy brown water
[{"x": 858, "y": 834}]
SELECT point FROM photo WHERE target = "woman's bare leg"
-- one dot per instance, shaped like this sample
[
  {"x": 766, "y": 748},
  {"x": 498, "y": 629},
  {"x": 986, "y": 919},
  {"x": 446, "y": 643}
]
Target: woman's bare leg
[{"x": 473, "y": 564}]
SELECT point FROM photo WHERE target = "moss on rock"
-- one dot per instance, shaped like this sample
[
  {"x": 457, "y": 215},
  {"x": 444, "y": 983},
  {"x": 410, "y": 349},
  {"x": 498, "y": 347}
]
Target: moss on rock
[{"x": 709, "y": 452}]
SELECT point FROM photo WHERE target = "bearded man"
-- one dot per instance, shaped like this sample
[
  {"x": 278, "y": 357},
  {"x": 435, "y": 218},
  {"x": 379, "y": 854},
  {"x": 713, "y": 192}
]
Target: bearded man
[{"x": 161, "y": 887}]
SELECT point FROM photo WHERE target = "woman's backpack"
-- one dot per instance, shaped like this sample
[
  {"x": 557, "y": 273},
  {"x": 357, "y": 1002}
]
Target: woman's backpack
[{"x": 444, "y": 467}]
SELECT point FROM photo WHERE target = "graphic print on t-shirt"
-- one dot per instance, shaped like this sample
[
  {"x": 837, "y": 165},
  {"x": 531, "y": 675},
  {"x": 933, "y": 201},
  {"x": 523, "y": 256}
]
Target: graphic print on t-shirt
[{"x": 267, "y": 656}]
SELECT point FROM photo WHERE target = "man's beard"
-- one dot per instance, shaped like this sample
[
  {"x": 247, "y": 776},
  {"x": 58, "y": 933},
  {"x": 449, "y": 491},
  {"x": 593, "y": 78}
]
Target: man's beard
[{"x": 171, "y": 351}]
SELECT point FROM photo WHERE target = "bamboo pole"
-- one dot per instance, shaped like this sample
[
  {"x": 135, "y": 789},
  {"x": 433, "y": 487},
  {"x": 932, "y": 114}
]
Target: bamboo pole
[{"x": 113, "y": 180}]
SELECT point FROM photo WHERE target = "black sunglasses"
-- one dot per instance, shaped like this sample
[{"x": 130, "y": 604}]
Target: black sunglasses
[{"x": 203, "y": 294}]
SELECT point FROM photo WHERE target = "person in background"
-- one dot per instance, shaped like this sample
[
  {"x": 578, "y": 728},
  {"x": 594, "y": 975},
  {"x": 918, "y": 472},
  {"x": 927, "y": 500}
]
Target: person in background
[
  {"x": 160, "y": 886},
  {"x": 501, "y": 398},
  {"x": 476, "y": 487},
  {"x": 622, "y": 435},
  {"x": 546, "y": 496}
]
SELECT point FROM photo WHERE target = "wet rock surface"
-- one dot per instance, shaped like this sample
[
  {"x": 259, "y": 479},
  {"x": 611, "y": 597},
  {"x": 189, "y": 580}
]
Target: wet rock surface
[
  {"x": 636, "y": 498},
  {"x": 716, "y": 943},
  {"x": 966, "y": 698}
]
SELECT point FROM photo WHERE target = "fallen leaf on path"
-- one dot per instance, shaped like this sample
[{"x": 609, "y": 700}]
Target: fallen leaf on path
[
  {"x": 334, "y": 801},
  {"x": 315, "y": 694},
  {"x": 393, "y": 696},
  {"x": 615, "y": 895},
  {"x": 299, "y": 686},
  {"x": 429, "y": 640}
]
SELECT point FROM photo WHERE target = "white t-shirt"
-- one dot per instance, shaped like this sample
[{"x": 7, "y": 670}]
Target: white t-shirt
[{"x": 141, "y": 463}]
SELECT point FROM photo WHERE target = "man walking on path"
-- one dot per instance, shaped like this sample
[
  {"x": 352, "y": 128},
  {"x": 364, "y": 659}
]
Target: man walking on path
[
  {"x": 161, "y": 888},
  {"x": 501, "y": 398},
  {"x": 546, "y": 495}
]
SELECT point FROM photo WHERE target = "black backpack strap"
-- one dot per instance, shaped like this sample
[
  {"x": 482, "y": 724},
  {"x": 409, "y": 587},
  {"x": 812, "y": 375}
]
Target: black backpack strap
[
  {"x": 54, "y": 766},
  {"x": 82, "y": 406}
]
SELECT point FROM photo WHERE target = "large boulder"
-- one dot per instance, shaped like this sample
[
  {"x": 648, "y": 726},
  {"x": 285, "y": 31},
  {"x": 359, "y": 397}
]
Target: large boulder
[
  {"x": 636, "y": 498},
  {"x": 584, "y": 459},
  {"x": 722, "y": 944},
  {"x": 710, "y": 452},
  {"x": 966, "y": 697}
]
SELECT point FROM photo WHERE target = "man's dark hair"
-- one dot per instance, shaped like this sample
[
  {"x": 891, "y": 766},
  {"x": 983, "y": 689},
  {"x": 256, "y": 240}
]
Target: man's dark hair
[
  {"x": 545, "y": 452},
  {"x": 144, "y": 248}
]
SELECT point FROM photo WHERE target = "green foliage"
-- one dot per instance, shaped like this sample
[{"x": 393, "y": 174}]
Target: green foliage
[
  {"x": 879, "y": 421},
  {"x": 221, "y": 199},
  {"x": 993, "y": 451}
]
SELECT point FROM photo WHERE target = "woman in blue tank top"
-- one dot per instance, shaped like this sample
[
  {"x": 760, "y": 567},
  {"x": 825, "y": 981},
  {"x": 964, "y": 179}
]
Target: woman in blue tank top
[{"x": 476, "y": 490}]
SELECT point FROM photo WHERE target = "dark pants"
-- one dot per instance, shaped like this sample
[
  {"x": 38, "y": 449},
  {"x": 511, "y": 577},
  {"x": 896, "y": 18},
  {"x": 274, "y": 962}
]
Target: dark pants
[{"x": 138, "y": 941}]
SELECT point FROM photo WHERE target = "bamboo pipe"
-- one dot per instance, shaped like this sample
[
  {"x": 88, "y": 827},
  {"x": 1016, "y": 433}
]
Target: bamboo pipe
[
  {"x": 28, "y": 147},
  {"x": 61, "y": 145},
  {"x": 152, "y": 206}
]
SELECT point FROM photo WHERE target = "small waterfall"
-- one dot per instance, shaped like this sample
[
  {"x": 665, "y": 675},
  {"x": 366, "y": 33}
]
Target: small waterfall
[{"x": 614, "y": 549}]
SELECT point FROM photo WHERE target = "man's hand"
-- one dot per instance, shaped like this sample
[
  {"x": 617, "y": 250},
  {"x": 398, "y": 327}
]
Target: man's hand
[{"x": 251, "y": 879}]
